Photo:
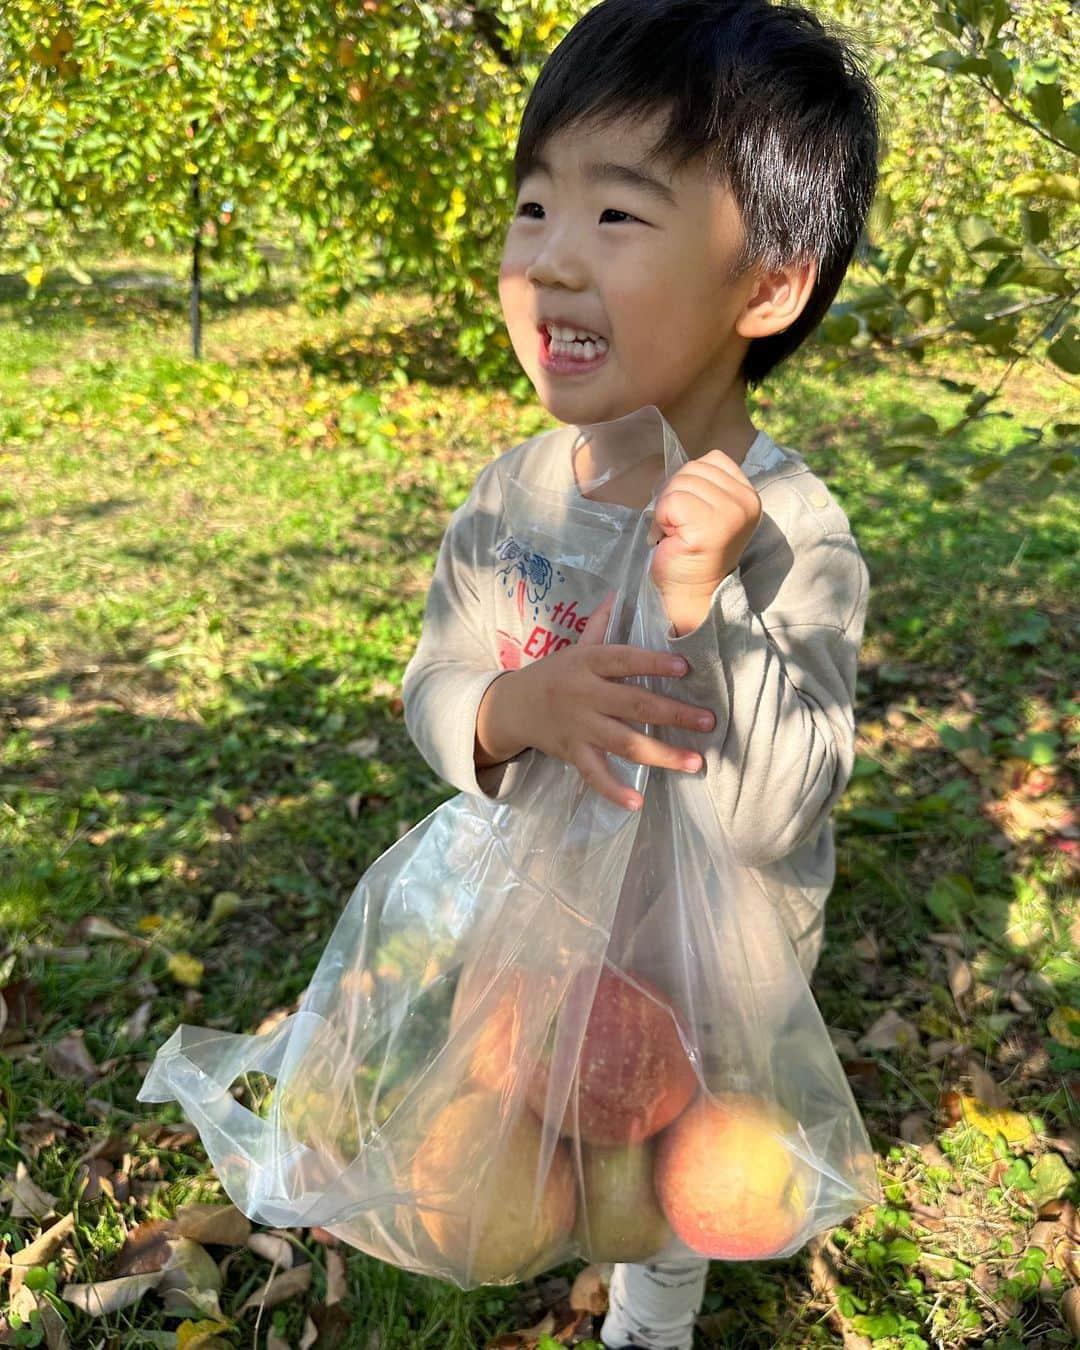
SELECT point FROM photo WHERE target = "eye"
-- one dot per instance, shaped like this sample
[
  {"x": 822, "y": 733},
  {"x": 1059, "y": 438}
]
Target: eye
[{"x": 609, "y": 211}]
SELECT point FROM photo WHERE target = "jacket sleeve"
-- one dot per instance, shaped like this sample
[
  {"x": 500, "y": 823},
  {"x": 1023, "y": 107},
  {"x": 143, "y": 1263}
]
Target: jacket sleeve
[
  {"x": 779, "y": 675},
  {"x": 452, "y": 665}
]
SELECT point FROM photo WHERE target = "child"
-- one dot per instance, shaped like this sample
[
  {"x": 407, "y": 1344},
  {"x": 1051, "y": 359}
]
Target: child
[{"x": 693, "y": 177}]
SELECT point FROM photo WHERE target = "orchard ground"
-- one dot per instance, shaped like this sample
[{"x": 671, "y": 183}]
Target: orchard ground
[{"x": 213, "y": 575}]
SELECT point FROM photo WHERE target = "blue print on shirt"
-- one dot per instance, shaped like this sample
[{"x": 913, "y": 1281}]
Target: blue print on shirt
[{"x": 534, "y": 571}]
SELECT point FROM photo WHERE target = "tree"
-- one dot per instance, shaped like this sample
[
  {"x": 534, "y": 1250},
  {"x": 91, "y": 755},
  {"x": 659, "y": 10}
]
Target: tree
[{"x": 976, "y": 118}]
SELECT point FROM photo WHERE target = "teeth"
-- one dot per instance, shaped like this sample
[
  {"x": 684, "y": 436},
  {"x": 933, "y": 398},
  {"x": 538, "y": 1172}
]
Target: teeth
[
  {"x": 579, "y": 351},
  {"x": 569, "y": 334},
  {"x": 575, "y": 343}
]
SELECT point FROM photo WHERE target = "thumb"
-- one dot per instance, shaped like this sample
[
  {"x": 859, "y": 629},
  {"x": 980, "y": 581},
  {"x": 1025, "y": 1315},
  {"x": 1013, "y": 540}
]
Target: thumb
[{"x": 592, "y": 635}]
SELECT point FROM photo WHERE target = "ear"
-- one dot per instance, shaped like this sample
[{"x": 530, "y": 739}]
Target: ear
[{"x": 776, "y": 300}]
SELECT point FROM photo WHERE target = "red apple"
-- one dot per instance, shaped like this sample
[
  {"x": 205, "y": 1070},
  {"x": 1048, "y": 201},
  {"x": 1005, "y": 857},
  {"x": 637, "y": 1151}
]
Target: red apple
[
  {"x": 503, "y": 1038},
  {"x": 728, "y": 1185},
  {"x": 633, "y": 1076},
  {"x": 474, "y": 1174}
]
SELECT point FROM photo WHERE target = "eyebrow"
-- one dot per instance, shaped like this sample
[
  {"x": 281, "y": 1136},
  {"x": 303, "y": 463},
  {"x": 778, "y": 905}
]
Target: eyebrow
[{"x": 607, "y": 172}]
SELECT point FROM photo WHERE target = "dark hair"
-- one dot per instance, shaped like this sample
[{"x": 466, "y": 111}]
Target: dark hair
[{"x": 776, "y": 103}]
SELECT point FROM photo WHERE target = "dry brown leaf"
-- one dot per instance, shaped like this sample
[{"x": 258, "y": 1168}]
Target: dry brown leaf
[
  {"x": 1070, "y": 1311},
  {"x": 590, "y": 1291},
  {"x": 214, "y": 1225},
  {"x": 38, "y": 1252},
  {"x": 280, "y": 1288},
  {"x": 984, "y": 1087},
  {"x": 915, "y": 1128},
  {"x": 890, "y": 1032},
  {"x": 53, "y": 1325},
  {"x": 273, "y": 1248},
  {"x": 70, "y": 1058},
  {"x": 146, "y": 1248},
  {"x": 335, "y": 1277},
  {"x": 133, "y": 1028},
  {"x": 108, "y": 1296},
  {"x": 93, "y": 926},
  {"x": 276, "y": 1342},
  {"x": 309, "y": 1335},
  {"x": 93, "y": 1177},
  {"x": 948, "y": 940},
  {"x": 960, "y": 980},
  {"x": 866, "y": 948},
  {"x": 525, "y": 1339},
  {"x": 27, "y": 1199}
]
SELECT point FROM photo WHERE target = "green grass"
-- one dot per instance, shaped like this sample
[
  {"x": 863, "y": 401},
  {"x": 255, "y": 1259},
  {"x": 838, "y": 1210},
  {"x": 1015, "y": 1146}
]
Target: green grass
[{"x": 212, "y": 576}]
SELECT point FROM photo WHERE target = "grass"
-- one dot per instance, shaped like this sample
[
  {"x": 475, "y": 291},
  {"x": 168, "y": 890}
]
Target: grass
[{"x": 213, "y": 575}]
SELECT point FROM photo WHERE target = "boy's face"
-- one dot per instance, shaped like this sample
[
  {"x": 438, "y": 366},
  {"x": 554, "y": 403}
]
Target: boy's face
[{"x": 647, "y": 271}]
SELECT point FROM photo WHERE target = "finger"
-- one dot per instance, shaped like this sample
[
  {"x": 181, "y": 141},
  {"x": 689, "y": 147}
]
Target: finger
[
  {"x": 592, "y": 765},
  {"x": 618, "y": 739},
  {"x": 617, "y": 660},
  {"x": 634, "y": 704},
  {"x": 726, "y": 464},
  {"x": 592, "y": 634}
]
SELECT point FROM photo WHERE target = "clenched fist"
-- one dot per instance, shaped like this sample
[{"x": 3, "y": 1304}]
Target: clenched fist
[{"x": 704, "y": 518}]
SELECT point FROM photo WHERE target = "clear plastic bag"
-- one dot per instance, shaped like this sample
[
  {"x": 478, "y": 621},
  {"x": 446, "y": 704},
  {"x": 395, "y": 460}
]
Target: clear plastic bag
[{"x": 551, "y": 1027}]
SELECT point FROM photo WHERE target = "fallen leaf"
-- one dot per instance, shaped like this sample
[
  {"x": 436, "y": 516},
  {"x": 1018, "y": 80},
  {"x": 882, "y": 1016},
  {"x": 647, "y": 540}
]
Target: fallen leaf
[
  {"x": 335, "y": 1277},
  {"x": 1070, "y": 1311},
  {"x": 590, "y": 1290},
  {"x": 223, "y": 906},
  {"x": 890, "y": 1032},
  {"x": 108, "y": 1296},
  {"x": 276, "y": 1342},
  {"x": 866, "y": 948},
  {"x": 38, "y": 1252},
  {"x": 95, "y": 927},
  {"x": 992, "y": 1121},
  {"x": 133, "y": 1028},
  {"x": 27, "y": 1199},
  {"x": 1052, "y": 1179},
  {"x": 189, "y": 1267},
  {"x": 196, "y": 1335},
  {"x": 277, "y": 1250},
  {"x": 309, "y": 1335},
  {"x": 984, "y": 1087},
  {"x": 280, "y": 1288},
  {"x": 185, "y": 968},
  {"x": 213, "y": 1225},
  {"x": 146, "y": 1248},
  {"x": 53, "y": 1325},
  {"x": 1064, "y": 1025},
  {"x": 193, "y": 1303},
  {"x": 960, "y": 980},
  {"x": 70, "y": 1058},
  {"x": 915, "y": 1128}
]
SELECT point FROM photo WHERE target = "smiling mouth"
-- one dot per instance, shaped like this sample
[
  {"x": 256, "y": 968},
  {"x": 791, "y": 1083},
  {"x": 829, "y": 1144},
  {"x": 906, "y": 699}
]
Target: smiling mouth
[{"x": 562, "y": 362}]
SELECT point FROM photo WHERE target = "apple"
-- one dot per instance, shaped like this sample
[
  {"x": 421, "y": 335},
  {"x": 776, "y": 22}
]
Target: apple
[
  {"x": 633, "y": 1076},
  {"x": 502, "y": 1038},
  {"x": 474, "y": 1174},
  {"x": 727, "y": 1184},
  {"x": 618, "y": 1218}
]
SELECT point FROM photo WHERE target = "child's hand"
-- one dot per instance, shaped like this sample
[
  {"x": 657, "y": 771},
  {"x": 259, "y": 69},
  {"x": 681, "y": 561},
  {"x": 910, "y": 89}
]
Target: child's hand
[
  {"x": 571, "y": 706},
  {"x": 704, "y": 517}
]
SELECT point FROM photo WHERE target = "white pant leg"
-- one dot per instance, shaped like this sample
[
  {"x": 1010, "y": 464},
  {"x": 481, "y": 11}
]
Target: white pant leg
[{"x": 654, "y": 1305}]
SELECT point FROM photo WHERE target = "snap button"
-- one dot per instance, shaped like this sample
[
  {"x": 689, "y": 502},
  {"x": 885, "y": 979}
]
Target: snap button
[{"x": 819, "y": 498}]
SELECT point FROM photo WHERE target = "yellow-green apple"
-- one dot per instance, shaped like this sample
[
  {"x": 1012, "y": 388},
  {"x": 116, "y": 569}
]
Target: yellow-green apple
[{"x": 618, "y": 1218}]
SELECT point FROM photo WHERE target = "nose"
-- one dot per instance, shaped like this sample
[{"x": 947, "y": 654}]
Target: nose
[{"x": 557, "y": 262}]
